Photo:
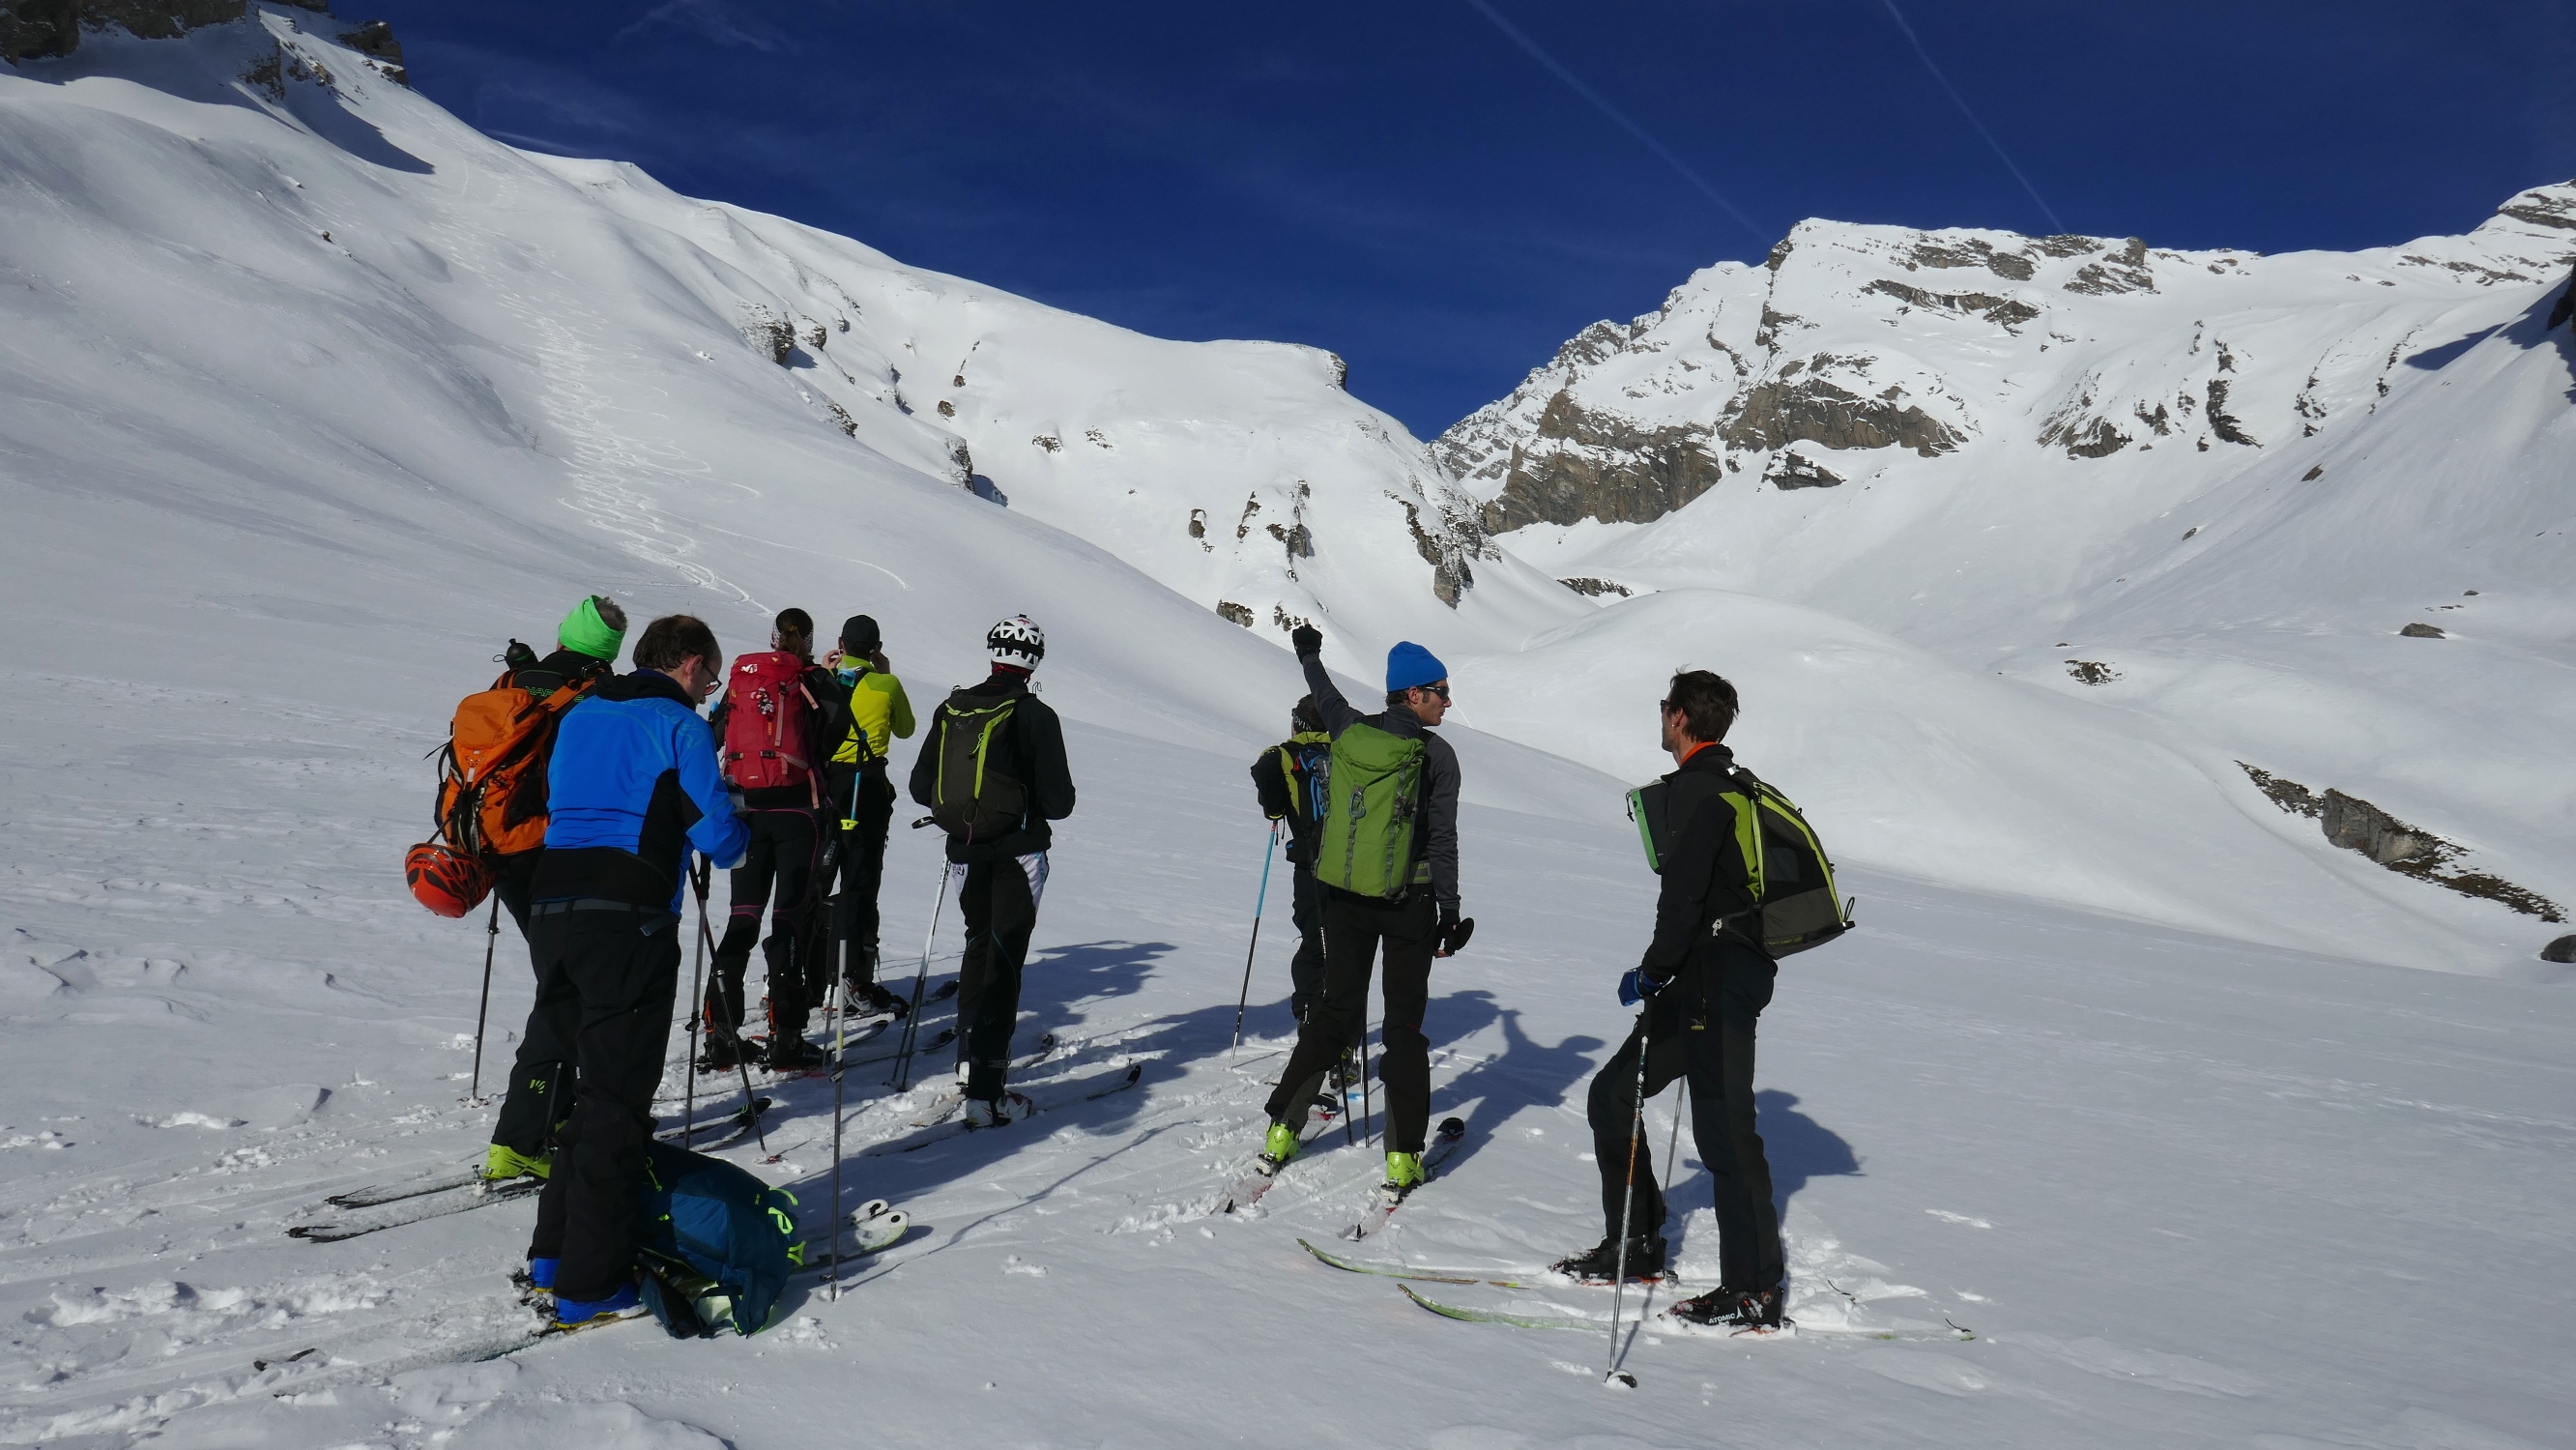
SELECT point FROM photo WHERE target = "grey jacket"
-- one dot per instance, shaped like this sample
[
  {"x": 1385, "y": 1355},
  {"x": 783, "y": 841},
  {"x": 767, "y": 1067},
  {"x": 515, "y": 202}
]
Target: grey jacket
[{"x": 1436, "y": 832}]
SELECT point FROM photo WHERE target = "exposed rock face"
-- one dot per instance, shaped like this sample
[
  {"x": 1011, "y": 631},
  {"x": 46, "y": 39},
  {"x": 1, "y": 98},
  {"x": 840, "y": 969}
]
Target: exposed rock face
[
  {"x": 2561, "y": 950},
  {"x": 31, "y": 29},
  {"x": 1604, "y": 468},
  {"x": 2423, "y": 631},
  {"x": 2125, "y": 270},
  {"x": 1796, "y": 470},
  {"x": 2356, "y": 825},
  {"x": 1788, "y": 409}
]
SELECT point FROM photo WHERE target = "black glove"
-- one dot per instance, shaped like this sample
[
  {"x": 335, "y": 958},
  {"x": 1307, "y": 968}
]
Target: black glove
[
  {"x": 1453, "y": 931},
  {"x": 1306, "y": 640}
]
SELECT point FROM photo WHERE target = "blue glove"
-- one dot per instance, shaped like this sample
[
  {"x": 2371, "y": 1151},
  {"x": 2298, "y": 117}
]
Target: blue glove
[{"x": 1635, "y": 986}]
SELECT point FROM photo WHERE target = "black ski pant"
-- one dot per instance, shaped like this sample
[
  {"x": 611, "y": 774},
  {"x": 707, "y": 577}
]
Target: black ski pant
[
  {"x": 535, "y": 1099},
  {"x": 1354, "y": 927},
  {"x": 1306, "y": 969},
  {"x": 606, "y": 981},
  {"x": 1700, "y": 1030},
  {"x": 785, "y": 849},
  {"x": 1000, "y": 904},
  {"x": 863, "y": 805}
]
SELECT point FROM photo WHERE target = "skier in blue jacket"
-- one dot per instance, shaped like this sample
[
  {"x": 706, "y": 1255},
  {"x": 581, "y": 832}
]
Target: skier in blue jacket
[{"x": 634, "y": 789}]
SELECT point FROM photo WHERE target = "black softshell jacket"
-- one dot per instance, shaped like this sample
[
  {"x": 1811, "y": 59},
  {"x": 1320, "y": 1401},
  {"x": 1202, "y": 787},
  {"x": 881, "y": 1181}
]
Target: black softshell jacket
[
  {"x": 1030, "y": 749},
  {"x": 1704, "y": 870},
  {"x": 1435, "y": 834}
]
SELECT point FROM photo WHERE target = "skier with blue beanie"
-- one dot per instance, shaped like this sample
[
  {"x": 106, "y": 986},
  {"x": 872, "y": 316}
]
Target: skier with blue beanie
[{"x": 1387, "y": 865}]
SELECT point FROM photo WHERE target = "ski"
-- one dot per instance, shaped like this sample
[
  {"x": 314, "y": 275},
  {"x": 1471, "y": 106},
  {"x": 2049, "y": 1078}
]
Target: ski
[
  {"x": 1134, "y": 1074},
  {"x": 377, "y": 1195},
  {"x": 1789, "y": 1328},
  {"x": 733, "y": 1125},
  {"x": 1404, "y": 1271},
  {"x": 947, "y": 1104},
  {"x": 1248, "y": 1189},
  {"x": 332, "y": 1233},
  {"x": 1446, "y": 1141},
  {"x": 946, "y": 1035}
]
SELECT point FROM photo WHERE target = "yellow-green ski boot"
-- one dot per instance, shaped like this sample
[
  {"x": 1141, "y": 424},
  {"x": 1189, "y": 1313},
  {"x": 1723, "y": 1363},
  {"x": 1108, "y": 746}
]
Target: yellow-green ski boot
[
  {"x": 501, "y": 1164},
  {"x": 1276, "y": 1149},
  {"x": 1403, "y": 1175}
]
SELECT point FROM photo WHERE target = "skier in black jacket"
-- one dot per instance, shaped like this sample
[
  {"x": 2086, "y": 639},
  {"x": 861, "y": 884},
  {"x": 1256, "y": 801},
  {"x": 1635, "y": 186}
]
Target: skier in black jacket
[
  {"x": 1023, "y": 764},
  {"x": 585, "y": 652},
  {"x": 1705, "y": 980},
  {"x": 1288, "y": 779}
]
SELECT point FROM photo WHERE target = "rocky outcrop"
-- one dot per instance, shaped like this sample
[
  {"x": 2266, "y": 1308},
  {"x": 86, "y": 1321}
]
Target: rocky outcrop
[
  {"x": 1585, "y": 465},
  {"x": 2003, "y": 312},
  {"x": 1796, "y": 470},
  {"x": 2356, "y": 825},
  {"x": 1791, "y": 408},
  {"x": 33, "y": 29},
  {"x": 2125, "y": 270}
]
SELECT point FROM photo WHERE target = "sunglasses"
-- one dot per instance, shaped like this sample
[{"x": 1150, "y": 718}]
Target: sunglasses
[{"x": 1441, "y": 690}]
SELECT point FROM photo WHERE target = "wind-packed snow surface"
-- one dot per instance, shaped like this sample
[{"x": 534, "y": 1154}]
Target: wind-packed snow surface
[{"x": 313, "y": 396}]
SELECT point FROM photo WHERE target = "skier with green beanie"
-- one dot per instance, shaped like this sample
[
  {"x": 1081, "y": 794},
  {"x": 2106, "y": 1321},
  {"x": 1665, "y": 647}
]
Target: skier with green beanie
[{"x": 586, "y": 646}]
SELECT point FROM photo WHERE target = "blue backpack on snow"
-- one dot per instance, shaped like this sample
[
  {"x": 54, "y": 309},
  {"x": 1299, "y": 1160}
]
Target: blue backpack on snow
[{"x": 716, "y": 1244}]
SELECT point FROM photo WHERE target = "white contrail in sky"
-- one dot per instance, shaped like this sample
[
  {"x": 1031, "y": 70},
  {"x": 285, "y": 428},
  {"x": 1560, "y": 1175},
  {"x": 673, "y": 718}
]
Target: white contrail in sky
[
  {"x": 1613, "y": 112},
  {"x": 1961, "y": 102}
]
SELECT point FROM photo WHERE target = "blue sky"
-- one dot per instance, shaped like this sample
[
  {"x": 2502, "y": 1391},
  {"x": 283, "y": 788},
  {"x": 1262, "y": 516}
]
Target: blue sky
[{"x": 1444, "y": 190}]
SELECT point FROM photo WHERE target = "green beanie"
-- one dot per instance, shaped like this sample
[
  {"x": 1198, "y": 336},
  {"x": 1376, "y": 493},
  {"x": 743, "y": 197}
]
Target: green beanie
[{"x": 592, "y": 630}]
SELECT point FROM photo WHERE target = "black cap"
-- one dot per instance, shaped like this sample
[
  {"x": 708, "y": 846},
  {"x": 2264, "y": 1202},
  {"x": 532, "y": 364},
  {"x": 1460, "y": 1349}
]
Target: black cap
[{"x": 859, "y": 635}]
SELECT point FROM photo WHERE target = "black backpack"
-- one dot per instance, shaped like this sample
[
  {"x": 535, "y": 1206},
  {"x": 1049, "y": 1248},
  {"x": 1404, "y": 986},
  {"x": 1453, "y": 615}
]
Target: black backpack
[{"x": 972, "y": 797}]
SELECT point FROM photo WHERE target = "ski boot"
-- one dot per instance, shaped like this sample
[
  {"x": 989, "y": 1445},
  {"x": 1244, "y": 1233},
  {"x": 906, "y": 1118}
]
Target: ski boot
[
  {"x": 626, "y": 1303},
  {"x": 1344, "y": 1074},
  {"x": 998, "y": 1112},
  {"x": 790, "y": 1052},
  {"x": 1403, "y": 1175},
  {"x": 1277, "y": 1148},
  {"x": 501, "y": 1163},
  {"x": 1600, "y": 1263},
  {"x": 1737, "y": 1309},
  {"x": 871, "y": 999},
  {"x": 724, "y": 1053}
]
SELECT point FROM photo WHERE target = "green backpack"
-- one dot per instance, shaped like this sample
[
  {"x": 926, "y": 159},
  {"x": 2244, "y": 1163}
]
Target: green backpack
[
  {"x": 1791, "y": 880},
  {"x": 971, "y": 798},
  {"x": 1365, "y": 845}
]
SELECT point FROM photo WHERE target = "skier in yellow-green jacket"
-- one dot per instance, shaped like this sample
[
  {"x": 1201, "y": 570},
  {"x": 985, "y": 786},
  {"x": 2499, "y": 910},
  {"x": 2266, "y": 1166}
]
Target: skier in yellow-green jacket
[{"x": 863, "y": 726}]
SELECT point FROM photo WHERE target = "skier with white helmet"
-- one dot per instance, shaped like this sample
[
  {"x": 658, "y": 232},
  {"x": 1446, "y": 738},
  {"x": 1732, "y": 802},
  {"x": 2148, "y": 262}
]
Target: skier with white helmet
[{"x": 993, "y": 773}]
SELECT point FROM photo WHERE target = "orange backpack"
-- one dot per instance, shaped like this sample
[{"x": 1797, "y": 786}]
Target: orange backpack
[{"x": 492, "y": 771}]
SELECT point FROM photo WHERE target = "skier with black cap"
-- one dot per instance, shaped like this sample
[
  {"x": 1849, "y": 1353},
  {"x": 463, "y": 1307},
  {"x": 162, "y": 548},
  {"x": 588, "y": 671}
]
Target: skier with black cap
[
  {"x": 871, "y": 713},
  {"x": 993, "y": 773},
  {"x": 1288, "y": 779}
]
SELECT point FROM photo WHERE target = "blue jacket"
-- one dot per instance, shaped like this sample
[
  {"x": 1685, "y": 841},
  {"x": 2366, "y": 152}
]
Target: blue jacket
[{"x": 633, "y": 785}]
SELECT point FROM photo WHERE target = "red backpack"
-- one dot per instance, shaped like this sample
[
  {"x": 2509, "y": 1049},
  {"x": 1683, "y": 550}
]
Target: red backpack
[{"x": 768, "y": 723}]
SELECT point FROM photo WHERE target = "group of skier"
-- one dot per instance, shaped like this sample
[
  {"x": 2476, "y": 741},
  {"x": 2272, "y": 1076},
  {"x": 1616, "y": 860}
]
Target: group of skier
[{"x": 787, "y": 785}]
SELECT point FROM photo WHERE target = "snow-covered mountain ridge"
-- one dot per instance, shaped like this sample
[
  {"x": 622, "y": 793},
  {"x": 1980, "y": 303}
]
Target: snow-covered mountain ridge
[
  {"x": 2298, "y": 517},
  {"x": 1741, "y": 366}
]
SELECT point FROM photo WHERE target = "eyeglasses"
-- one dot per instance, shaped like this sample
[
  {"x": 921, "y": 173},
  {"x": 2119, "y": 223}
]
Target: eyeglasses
[{"x": 1441, "y": 690}]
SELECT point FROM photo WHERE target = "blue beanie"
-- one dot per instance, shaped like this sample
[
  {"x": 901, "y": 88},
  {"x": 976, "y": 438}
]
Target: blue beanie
[{"x": 1409, "y": 664}]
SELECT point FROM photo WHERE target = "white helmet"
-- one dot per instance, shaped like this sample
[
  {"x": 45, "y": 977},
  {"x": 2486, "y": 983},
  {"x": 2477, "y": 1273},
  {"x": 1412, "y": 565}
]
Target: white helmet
[{"x": 1017, "y": 641}]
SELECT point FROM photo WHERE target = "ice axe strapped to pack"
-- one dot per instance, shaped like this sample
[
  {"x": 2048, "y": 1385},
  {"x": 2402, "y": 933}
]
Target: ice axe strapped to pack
[{"x": 1788, "y": 876}]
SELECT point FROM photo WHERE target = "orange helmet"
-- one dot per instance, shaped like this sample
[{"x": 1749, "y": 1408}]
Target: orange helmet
[{"x": 445, "y": 881}]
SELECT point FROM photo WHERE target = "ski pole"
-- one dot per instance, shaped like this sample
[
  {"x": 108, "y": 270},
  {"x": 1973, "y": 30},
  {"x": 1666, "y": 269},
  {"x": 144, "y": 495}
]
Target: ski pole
[
  {"x": 840, "y": 1018},
  {"x": 697, "y": 1015},
  {"x": 750, "y": 1104},
  {"x": 491, "y": 939},
  {"x": 1244, "y": 999},
  {"x": 912, "y": 1019},
  {"x": 1368, "y": 1115},
  {"x": 1628, "y": 1203}
]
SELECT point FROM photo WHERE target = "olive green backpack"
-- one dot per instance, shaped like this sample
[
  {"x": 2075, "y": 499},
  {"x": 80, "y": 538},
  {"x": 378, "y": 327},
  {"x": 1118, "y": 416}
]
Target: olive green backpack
[{"x": 1365, "y": 841}]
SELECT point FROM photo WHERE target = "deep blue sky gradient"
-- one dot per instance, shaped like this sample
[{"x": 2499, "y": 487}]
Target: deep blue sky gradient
[{"x": 1405, "y": 184}]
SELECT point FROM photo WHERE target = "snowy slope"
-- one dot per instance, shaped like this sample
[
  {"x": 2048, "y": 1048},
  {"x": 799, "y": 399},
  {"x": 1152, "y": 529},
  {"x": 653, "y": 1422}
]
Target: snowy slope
[
  {"x": 2205, "y": 490},
  {"x": 273, "y": 495}
]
